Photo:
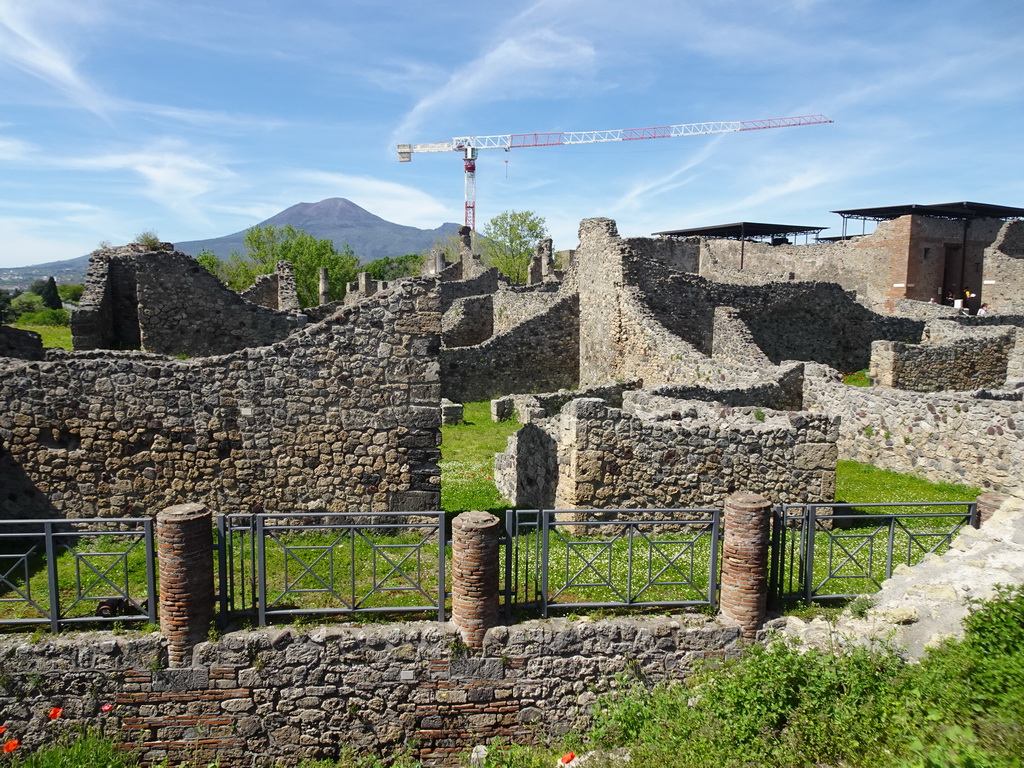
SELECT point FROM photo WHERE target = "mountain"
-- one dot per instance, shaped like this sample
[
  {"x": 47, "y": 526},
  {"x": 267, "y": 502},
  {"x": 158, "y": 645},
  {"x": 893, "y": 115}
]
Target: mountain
[
  {"x": 336, "y": 218},
  {"x": 341, "y": 221}
]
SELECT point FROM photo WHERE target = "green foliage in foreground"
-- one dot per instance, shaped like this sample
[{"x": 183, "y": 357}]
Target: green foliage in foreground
[
  {"x": 963, "y": 705},
  {"x": 50, "y": 317}
]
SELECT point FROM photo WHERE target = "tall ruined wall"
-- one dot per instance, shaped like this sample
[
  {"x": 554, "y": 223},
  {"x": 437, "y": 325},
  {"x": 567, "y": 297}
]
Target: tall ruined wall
[
  {"x": 681, "y": 254},
  {"x": 974, "y": 439},
  {"x": 539, "y": 355},
  {"x": 640, "y": 318},
  {"x": 664, "y": 453},
  {"x": 1003, "y": 278},
  {"x": 454, "y": 287},
  {"x": 951, "y": 357},
  {"x": 343, "y": 415},
  {"x": 166, "y": 302},
  {"x": 285, "y": 696}
]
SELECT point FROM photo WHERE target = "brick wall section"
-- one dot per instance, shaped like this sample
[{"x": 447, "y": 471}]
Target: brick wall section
[
  {"x": 475, "y": 575},
  {"x": 744, "y": 595},
  {"x": 184, "y": 536},
  {"x": 988, "y": 503}
]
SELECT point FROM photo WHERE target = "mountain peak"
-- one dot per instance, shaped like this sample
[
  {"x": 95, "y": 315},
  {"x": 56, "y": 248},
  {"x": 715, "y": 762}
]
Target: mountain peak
[{"x": 332, "y": 212}]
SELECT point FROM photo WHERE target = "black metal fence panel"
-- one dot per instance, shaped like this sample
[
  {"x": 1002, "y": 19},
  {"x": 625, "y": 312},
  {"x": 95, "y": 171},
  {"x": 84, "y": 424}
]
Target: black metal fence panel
[
  {"x": 611, "y": 558},
  {"x": 829, "y": 551},
  {"x": 64, "y": 573}
]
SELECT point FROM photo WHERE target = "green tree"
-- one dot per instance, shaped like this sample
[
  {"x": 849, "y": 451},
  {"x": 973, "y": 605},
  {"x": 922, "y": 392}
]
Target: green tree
[
  {"x": 27, "y": 302},
  {"x": 510, "y": 241},
  {"x": 388, "y": 268},
  {"x": 6, "y": 315},
  {"x": 70, "y": 292},
  {"x": 265, "y": 246},
  {"x": 50, "y": 295}
]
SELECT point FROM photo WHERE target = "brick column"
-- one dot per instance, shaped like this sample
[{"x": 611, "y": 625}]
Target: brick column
[
  {"x": 475, "y": 569},
  {"x": 185, "y": 548},
  {"x": 988, "y": 503},
  {"x": 744, "y": 595}
]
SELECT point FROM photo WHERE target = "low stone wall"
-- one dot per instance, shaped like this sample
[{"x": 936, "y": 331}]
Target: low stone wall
[
  {"x": 24, "y": 345},
  {"x": 951, "y": 357},
  {"x": 969, "y": 438},
  {"x": 285, "y": 695},
  {"x": 342, "y": 415},
  {"x": 515, "y": 304},
  {"x": 922, "y": 310},
  {"x": 526, "y": 408},
  {"x": 658, "y": 452},
  {"x": 539, "y": 355}
]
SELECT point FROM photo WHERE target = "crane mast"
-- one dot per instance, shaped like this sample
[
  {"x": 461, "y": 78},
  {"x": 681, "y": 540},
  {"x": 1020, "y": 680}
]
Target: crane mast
[{"x": 469, "y": 145}]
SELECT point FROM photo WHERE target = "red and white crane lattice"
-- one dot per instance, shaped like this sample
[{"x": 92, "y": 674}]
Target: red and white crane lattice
[{"x": 469, "y": 145}]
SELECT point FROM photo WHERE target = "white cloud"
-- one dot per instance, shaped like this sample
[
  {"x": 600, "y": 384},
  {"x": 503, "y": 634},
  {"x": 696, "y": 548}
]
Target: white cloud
[
  {"x": 536, "y": 63},
  {"x": 15, "y": 149}
]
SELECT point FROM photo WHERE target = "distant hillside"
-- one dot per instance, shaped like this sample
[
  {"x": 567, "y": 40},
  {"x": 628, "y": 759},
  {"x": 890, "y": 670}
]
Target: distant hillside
[
  {"x": 341, "y": 221},
  {"x": 336, "y": 218}
]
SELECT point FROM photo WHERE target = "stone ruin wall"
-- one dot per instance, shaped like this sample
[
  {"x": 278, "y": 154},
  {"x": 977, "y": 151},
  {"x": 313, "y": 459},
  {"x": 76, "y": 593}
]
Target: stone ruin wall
[
  {"x": 539, "y": 355},
  {"x": 515, "y": 304},
  {"x": 455, "y": 287},
  {"x": 951, "y": 357},
  {"x": 922, "y": 310},
  {"x": 287, "y": 695},
  {"x": 275, "y": 291},
  {"x": 658, "y": 452},
  {"x": 1003, "y": 275},
  {"x": 165, "y": 302},
  {"x": 15, "y": 342},
  {"x": 969, "y": 438},
  {"x": 468, "y": 321},
  {"x": 339, "y": 416}
]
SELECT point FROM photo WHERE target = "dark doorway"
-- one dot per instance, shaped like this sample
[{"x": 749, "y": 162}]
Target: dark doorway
[{"x": 952, "y": 276}]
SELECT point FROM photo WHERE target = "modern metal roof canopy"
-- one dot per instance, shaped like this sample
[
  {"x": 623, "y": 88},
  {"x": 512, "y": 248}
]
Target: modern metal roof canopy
[
  {"x": 742, "y": 230},
  {"x": 964, "y": 210}
]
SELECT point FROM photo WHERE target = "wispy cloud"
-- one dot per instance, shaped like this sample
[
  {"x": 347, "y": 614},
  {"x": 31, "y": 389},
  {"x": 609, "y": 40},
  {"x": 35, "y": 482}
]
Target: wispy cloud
[
  {"x": 24, "y": 45},
  {"x": 15, "y": 149},
  {"x": 669, "y": 181},
  {"x": 536, "y": 62}
]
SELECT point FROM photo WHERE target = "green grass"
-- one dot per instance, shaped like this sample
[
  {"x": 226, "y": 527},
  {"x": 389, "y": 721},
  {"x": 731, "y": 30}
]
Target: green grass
[
  {"x": 467, "y": 460},
  {"x": 54, "y": 336},
  {"x": 857, "y": 379}
]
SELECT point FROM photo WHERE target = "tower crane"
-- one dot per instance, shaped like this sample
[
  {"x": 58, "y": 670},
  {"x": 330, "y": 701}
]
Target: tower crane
[{"x": 470, "y": 145}]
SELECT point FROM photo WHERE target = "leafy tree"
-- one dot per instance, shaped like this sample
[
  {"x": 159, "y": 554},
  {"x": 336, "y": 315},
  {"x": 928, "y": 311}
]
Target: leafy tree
[
  {"x": 27, "y": 302},
  {"x": 50, "y": 295},
  {"x": 388, "y": 268},
  {"x": 511, "y": 241},
  {"x": 70, "y": 292},
  {"x": 38, "y": 286},
  {"x": 265, "y": 246},
  {"x": 6, "y": 315}
]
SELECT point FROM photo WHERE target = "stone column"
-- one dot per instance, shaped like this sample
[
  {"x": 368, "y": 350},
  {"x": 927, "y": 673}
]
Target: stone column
[
  {"x": 744, "y": 595},
  {"x": 325, "y": 293},
  {"x": 475, "y": 568},
  {"x": 185, "y": 553},
  {"x": 988, "y": 503}
]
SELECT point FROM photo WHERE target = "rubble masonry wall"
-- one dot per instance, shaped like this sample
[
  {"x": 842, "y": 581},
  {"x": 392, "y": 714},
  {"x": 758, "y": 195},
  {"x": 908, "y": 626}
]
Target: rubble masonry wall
[{"x": 340, "y": 416}]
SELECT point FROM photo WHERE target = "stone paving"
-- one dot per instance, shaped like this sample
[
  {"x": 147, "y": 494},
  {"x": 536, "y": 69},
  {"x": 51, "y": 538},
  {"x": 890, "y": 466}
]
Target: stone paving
[{"x": 922, "y": 605}]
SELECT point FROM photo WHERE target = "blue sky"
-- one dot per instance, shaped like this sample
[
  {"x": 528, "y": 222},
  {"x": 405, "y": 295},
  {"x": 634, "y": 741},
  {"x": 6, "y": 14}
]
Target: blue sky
[{"x": 200, "y": 119}]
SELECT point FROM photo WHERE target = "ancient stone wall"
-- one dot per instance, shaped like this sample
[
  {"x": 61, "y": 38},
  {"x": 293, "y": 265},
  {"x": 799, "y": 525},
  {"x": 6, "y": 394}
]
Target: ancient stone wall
[
  {"x": 276, "y": 290},
  {"x": 922, "y": 310},
  {"x": 285, "y": 696},
  {"x": 682, "y": 255},
  {"x": 515, "y": 304},
  {"x": 539, "y": 355},
  {"x": 951, "y": 356},
  {"x": 1003, "y": 277},
  {"x": 658, "y": 452},
  {"x": 166, "y": 302},
  {"x": 468, "y": 321},
  {"x": 969, "y": 438},
  {"x": 454, "y": 287},
  {"x": 341, "y": 415}
]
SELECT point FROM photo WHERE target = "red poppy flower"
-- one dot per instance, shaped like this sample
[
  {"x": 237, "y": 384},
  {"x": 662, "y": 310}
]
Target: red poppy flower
[
  {"x": 568, "y": 757},
  {"x": 3, "y": 730},
  {"x": 106, "y": 707},
  {"x": 56, "y": 712},
  {"x": 11, "y": 745}
]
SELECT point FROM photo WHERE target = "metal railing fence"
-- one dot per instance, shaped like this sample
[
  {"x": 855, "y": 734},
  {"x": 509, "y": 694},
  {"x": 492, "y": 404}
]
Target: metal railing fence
[
  {"x": 599, "y": 559},
  {"x": 281, "y": 565},
  {"x": 63, "y": 573},
  {"x": 856, "y": 545}
]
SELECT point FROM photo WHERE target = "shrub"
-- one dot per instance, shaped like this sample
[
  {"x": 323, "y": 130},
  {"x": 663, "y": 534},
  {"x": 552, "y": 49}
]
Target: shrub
[{"x": 51, "y": 317}]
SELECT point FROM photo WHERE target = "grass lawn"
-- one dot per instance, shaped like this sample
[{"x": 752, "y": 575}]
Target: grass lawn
[
  {"x": 54, "y": 336},
  {"x": 467, "y": 460}
]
